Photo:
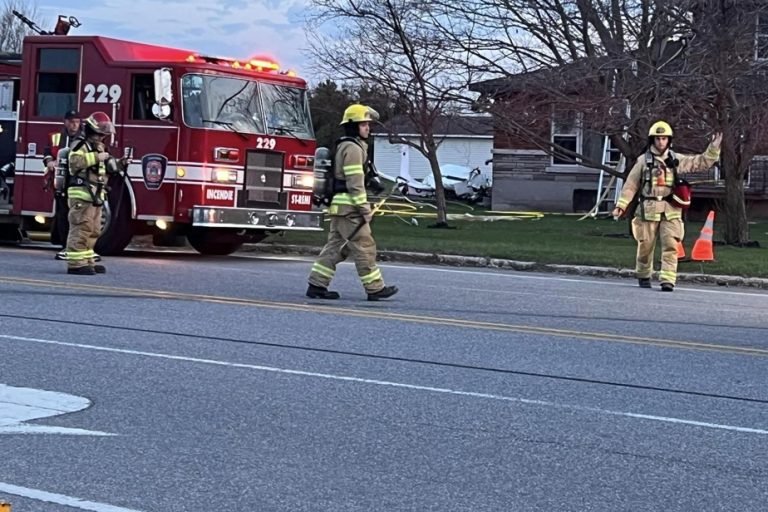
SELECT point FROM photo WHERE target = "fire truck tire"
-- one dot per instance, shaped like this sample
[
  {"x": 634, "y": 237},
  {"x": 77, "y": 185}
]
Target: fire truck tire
[
  {"x": 116, "y": 225},
  {"x": 10, "y": 233},
  {"x": 218, "y": 243}
]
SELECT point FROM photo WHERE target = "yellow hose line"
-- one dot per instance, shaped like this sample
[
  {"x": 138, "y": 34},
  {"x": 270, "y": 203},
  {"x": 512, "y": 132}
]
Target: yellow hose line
[{"x": 409, "y": 209}]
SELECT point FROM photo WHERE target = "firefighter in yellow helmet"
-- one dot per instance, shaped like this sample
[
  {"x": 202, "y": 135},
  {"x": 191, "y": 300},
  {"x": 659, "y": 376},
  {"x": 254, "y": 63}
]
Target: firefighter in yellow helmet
[
  {"x": 89, "y": 166},
  {"x": 350, "y": 213},
  {"x": 658, "y": 214}
]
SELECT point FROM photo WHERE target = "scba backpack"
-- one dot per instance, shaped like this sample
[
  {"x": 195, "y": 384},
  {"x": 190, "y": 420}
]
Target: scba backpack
[{"x": 326, "y": 184}]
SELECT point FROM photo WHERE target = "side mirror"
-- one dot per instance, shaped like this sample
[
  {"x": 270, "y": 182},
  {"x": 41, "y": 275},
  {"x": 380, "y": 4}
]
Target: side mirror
[
  {"x": 163, "y": 93},
  {"x": 161, "y": 111}
]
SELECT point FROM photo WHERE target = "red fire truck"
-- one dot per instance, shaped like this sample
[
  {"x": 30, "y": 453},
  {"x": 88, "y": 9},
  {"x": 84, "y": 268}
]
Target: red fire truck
[{"x": 222, "y": 150}]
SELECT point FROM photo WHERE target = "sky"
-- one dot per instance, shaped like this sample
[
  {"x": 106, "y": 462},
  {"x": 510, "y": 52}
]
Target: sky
[{"x": 222, "y": 28}]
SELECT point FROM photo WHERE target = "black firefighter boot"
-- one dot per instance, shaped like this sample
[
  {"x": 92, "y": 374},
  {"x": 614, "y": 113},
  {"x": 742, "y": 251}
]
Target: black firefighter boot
[
  {"x": 667, "y": 287},
  {"x": 320, "y": 292},
  {"x": 81, "y": 271},
  {"x": 644, "y": 282},
  {"x": 384, "y": 293},
  {"x": 100, "y": 269}
]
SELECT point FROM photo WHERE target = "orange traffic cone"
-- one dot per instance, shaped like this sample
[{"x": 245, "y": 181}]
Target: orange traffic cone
[
  {"x": 680, "y": 250},
  {"x": 703, "y": 249}
]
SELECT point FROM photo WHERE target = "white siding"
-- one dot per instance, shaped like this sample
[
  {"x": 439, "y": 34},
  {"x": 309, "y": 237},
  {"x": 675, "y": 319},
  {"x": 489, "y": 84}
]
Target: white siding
[
  {"x": 386, "y": 157},
  {"x": 467, "y": 151}
]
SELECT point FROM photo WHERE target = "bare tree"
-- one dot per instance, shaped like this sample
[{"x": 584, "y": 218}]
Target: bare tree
[
  {"x": 391, "y": 45},
  {"x": 12, "y": 30},
  {"x": 723, "y": 85},
  {"x": 602, "y": 59},
  {"x": 620, "y": 64}
]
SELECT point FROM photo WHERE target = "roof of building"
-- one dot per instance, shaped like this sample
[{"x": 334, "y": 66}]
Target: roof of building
[{"x": 470, "y": 125}]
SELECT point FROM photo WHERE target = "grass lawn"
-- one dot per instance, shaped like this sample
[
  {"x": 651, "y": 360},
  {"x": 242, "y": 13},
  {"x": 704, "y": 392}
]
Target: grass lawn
[{"x": 550, "y": 239}]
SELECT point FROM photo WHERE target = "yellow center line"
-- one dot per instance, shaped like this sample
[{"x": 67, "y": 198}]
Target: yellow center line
[{"x": 385, "y": 315}]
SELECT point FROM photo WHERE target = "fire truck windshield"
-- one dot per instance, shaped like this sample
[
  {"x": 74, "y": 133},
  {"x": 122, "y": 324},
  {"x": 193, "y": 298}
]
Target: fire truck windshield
[
  {"x": 287, "y": 111},
  {"x": 245, "y": 106}
]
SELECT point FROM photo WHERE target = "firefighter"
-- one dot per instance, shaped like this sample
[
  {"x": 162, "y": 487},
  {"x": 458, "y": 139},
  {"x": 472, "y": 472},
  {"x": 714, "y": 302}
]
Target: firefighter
[
  {"x": 89, "y": 166},
  {"x": 651, "y": 179},
  {"x": 56, "y": 141},
  {"x": 350, "y": 213}
]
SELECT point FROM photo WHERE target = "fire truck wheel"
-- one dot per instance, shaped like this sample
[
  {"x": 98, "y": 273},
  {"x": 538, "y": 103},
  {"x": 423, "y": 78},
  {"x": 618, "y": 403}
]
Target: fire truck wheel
[
  {"x": 218, "y": 243},
  {"x": 117, "y": 230}
]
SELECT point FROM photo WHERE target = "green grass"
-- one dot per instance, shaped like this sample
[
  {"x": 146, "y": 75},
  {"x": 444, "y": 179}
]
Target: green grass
[{"x": 551, "y": 239}]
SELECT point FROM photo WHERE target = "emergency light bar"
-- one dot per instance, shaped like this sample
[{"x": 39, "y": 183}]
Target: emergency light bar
[
  {"x": 264, "y": 64},
  {"x": 256, "y": 64}
]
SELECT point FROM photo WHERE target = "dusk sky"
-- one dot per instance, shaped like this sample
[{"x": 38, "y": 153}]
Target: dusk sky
[{"x": 225, "y": 28}]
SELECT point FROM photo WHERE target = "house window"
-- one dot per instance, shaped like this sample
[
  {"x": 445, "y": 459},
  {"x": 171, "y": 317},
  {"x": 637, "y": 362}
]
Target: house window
[
  {"x": 566, "y": 133},
  {"x": 761, "y": 37},
  {"x": 57, "y": 81}
]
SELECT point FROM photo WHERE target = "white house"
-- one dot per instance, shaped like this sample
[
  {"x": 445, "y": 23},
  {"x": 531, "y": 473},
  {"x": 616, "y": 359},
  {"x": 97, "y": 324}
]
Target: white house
[{"x": 466, "y": 141}]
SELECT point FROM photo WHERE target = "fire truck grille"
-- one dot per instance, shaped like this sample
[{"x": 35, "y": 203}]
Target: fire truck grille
[{"x": 263, "y": 180}]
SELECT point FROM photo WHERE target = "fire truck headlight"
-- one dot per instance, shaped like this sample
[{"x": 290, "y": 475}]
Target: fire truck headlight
[
  {"x": 253, "y": 218},
  {"x": 306, "y": 181},
  {"x": 223, "y": 176},
  {"x": 161, "y": 224},
  {"x": 290, "y": 220},
  {"x": 39, "y": 219}
]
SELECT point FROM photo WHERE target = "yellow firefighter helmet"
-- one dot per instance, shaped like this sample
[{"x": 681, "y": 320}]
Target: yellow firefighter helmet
[
  {"x": 660, "y": 129},
  {"x": 359, "y": 114}
]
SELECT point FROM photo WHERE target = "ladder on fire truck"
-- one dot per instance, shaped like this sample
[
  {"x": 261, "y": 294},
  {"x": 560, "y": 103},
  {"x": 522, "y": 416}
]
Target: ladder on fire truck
[{"x": 611, "y": 157}]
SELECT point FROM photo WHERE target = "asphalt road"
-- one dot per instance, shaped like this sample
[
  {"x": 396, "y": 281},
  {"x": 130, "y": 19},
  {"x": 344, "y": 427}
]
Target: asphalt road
[{"x": 178, "y": 382}]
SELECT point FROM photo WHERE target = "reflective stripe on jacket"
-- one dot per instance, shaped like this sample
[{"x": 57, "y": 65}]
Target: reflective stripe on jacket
[
  {"x": 84, "y": 164},
  {"x": 655, "y": 189},
  {"x": 350, "y": 166},
  {"x": 56, "y": 141}
]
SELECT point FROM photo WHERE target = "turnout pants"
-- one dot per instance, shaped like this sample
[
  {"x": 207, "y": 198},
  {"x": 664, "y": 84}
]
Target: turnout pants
[
  {"x": 645, "y": 232},
  {"x": 362, "y": 248},
  {"x": 84, "y": 230}
]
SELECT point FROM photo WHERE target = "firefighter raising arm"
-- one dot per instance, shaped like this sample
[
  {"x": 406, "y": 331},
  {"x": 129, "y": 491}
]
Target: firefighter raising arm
[
  {"x": 687, "y": 163},
  {"x": 702, "y": 162},
  {"x": 652, "y": 182}
]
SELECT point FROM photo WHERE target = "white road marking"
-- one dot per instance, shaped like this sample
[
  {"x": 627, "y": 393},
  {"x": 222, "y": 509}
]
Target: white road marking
[
  {"x": 18, "y": 405},
  {"x": 344, "y": 378},
  {"x": 60, "y": 499}
]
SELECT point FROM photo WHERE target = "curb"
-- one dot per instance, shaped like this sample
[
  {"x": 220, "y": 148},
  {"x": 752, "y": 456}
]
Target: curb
[{"x": 451, "y": 260}]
